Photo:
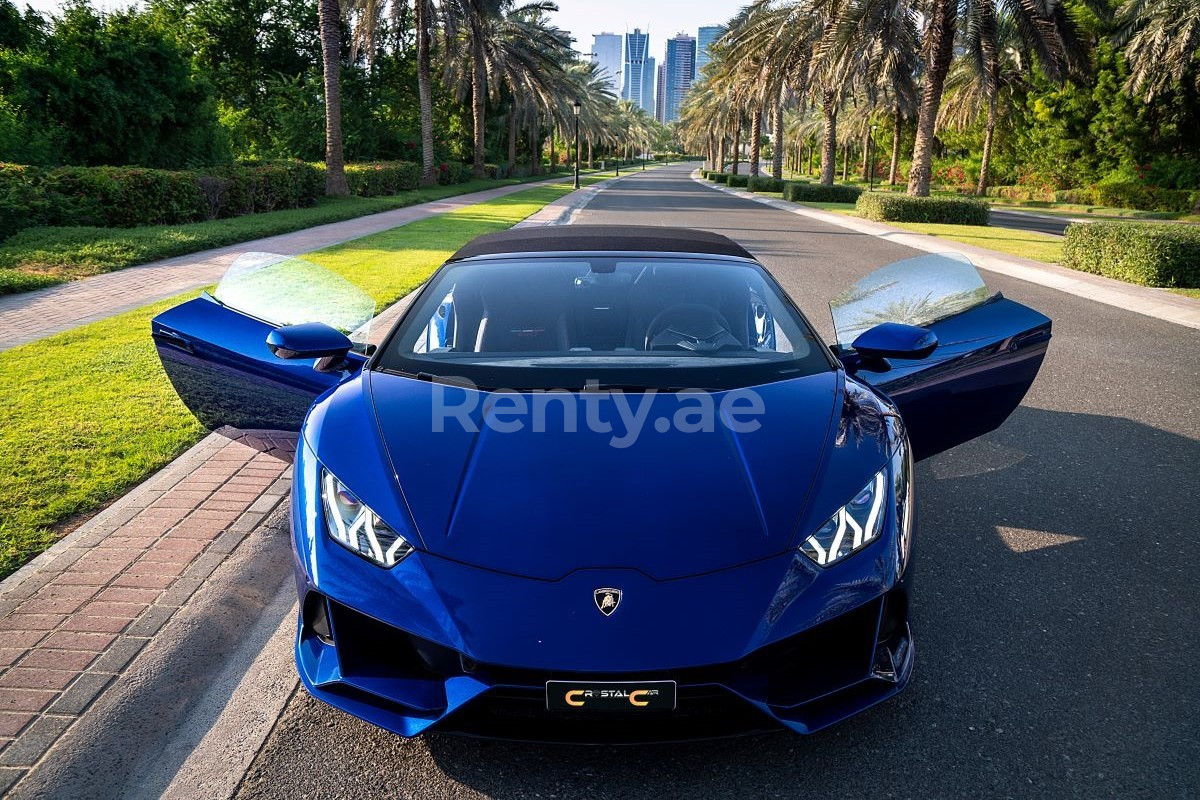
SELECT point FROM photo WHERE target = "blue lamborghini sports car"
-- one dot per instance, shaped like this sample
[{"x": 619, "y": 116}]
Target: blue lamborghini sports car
[{"x": 602, "y": 484}]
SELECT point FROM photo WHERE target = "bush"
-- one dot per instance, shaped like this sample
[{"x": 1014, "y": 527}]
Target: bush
[
  {"x": 1080, "y": 197},
  {"x": 449, "y": 172},
  {"x": 1021, "y": 193},
  {"x": 738, "y": 181},
  {"x": 802, "y": 191},
  {"x": 383, "y": 178},
  {"x": 1151, "y": 254},
  {"x": 122, "y": 197},
  {"x": 22, "y": 201},
  {"x": 902, "y": 208},
  {"x": 765, "y": 183},
  {"x": 1128, "y": 194},
  {"x": 719, "y": 177}
]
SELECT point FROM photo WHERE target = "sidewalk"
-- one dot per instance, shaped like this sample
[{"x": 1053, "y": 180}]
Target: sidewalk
[
  {"x": 29, "y": 316},
  {"x": 76, "y": 616}
]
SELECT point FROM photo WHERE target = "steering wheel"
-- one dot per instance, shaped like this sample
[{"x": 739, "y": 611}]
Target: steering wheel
[{"x": 690, "y": 326}]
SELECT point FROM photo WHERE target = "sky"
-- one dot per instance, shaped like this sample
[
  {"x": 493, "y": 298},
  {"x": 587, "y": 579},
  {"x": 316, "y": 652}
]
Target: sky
[{"x": 662, "y": 18}]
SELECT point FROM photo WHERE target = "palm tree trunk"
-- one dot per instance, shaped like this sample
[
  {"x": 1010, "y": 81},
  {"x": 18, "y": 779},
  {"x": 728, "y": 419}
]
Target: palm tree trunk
[
  {"x": 845, "y": 162},
  {"x": 535, "y": 147},
  {"x": 553, "y": 157},
  {"x": 940, "y": 49},
  {"x": 829, "y": 143},
  {"x": 737, "y": 145},
  {"x": 867, "y": 166},
  {"x": 478, "y": 108},
  {"x": 777, "y": 132},
  {"x": 755, "y": 141},
  {"x": 590, "y": 153},
  {"x": 721, "y": 154},
  {"x": 896, "y": 131},
  {"x": 330, "y": 15},
  {"x": 512, "y": 138},
  {"x": 424, "y": 93},
  {"x": 986, "y": 161}
]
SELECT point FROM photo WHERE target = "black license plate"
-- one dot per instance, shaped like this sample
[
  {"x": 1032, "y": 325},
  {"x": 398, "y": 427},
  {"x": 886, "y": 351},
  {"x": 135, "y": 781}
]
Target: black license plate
[{"x": 610, "y": 696}]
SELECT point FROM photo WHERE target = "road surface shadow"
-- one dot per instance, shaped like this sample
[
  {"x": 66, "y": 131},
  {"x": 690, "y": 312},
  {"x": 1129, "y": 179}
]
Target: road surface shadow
[{"x": 1054, "y": 614}]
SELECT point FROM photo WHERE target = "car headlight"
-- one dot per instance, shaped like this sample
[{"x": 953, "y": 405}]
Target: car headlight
[
  {"x": 358, "y": 528},
  {"x": 859, "y": 522},
  {"x": 852, "y": 527}
]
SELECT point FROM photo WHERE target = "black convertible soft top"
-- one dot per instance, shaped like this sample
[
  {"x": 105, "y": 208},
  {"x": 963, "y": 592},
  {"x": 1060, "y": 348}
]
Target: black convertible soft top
[{"x": 601, "y": 239}]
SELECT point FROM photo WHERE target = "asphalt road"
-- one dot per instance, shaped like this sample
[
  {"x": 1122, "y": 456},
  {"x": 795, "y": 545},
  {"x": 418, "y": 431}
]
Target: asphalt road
[
  {"x": 1029, "y": 222},
  {"x": 1055, "y": 597}
]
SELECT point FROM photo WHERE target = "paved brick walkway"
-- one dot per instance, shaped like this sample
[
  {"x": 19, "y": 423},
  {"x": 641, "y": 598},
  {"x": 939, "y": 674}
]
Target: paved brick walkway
[
  {"x": 73, "y": 619},
  {"x": 33, "y": 315}
]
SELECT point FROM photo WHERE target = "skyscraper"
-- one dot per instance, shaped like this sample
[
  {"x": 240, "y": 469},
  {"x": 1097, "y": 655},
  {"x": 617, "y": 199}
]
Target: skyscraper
[
  {"x": 648, "y": 81},
  {"x": 637, "y": 48},
  {"x": 707, "y": 35},
  {"x": 660, "y": 97},
  {"x": 681, "y": 71},
  {"x": 606, "y": 50}
]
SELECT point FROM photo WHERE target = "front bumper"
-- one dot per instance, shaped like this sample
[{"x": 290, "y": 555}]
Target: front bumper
[
  {"x": 771, "y": 644},
  {"x": 407, "y": 684}
]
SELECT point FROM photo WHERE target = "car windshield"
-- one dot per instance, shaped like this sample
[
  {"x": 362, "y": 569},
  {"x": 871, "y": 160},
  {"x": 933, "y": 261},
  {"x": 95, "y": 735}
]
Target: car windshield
[{"x": 610, "y": 321}]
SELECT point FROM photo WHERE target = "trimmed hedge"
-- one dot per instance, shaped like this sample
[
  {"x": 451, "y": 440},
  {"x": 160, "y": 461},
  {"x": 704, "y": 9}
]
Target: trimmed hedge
[
  {"x": 383, "y": 178},
  {"x": 1145, "y": 198},
  {"x": 1127, "y": 194},
  {"x": 123, "y": 197},
  {"x": 719, "y": 177},
  {"x": 801, "y": 191},
  {"x": 902, "y": 208},
  {"x": 1148, "y": 253},
  {"x": 738, "y": 181},
  {"x": 765, "y": 183}
]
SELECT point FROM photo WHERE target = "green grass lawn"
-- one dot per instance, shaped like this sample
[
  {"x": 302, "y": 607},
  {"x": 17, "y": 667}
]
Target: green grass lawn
[
  {"x": 40, "y": 257},
  {"x": 1100, "y": 212},
  {"x": 1026, "y": 244},
  {"x": 1187, "y": 292},
  {"x": 89, "y": 413}
]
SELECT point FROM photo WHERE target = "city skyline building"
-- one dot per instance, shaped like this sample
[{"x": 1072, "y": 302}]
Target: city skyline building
[
  {"x": 704, "y": 39},
  {"x": 680, "y": 73},
  {"x": 660, "y": 96},
  {"x": 648, "y": 86},
  {"x": 607, "y": 53},
  {"x": 637, "y": 49}
]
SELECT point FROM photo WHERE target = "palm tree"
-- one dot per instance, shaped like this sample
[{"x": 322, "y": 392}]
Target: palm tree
[
  {"x": 796, "y": 40},
  {"x": 1045, "y": 30},
  {"x": 423, "y": 14},
  {"x": 330, "y": 20},
  {"x": 987, "y": 79},
  {"x": 883, "y": 35},
  {"x": 1163, "y": 44},
  {"x": 493, "y": 42}
]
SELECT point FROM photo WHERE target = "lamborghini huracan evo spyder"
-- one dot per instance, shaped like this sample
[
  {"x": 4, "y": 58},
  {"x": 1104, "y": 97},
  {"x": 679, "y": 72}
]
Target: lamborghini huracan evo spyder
[{"x": 602, "y": 484}]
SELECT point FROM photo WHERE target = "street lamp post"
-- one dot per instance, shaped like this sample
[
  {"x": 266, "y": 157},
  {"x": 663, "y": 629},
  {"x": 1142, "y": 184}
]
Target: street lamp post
[
  {"x": 871, "y": 159},
  {"x": 575, "y": 108}
]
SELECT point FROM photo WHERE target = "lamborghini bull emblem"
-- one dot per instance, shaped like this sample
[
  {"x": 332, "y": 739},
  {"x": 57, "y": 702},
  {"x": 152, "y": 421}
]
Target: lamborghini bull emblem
[{"x": 607, "y": 600}]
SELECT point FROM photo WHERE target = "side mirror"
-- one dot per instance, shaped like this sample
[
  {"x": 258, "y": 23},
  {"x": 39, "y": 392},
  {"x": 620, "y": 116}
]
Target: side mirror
[
  {"x": 309, "y": 340},
  {"x": 894, "y": 340}
]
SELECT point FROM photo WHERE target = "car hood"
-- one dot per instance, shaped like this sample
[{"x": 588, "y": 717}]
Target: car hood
[{"x": 544, "y": 500}]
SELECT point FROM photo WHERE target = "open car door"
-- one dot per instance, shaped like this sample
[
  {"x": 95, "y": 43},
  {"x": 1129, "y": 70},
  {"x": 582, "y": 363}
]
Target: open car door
[
  {"x": 214, "y": 348},
  {"x": 988, "y": 350}
]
